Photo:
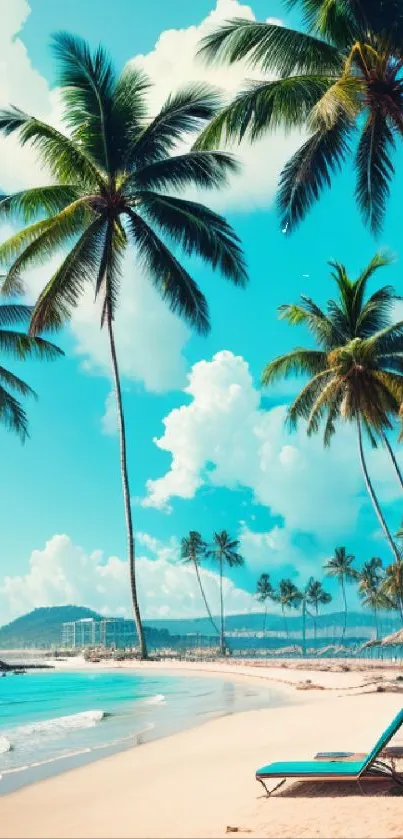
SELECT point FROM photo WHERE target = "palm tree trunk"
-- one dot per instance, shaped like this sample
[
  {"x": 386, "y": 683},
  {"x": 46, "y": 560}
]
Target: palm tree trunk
[
  {"x": 373, "y": 497},
  {"x": 222, "y": 637},
  {"x": 303, "y": 629},
  {"x": 203, "y": 594},
  {"x": 315, "y": 630},
  {"x": 393, "y": 458},
  {"x": 265, "y": 619},
  {"x": 125, "y": 488},
  {"x": 343, "y": 588}
]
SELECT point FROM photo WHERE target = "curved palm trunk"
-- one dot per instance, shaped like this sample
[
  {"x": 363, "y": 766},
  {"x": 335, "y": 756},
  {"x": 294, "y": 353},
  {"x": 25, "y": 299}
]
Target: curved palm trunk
[
  {"x": 373, "y": 496},
  {"x": 125, "y": 488},
  {"x": 203, "y": 594},
  {"x": 265, "y": 619},
  {"x": 222, "y": 634},
  {"x": 343, "y": 588},
  {"x": 393, "y": 458},
  {"x": 315, "y": 629}
]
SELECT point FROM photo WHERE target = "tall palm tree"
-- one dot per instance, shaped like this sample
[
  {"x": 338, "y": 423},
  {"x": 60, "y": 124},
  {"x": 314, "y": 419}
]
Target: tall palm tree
[
  {"x": 317, "y": 596},
  {"x": 340, "y": 566},
  {"x": 341, "y": 81},
  {"x": 112, "y": 171},
  {"x": 288, "y": 596},
  {"x": 392, "y": 586},
  {"x": 224, "y": 550},
  {"x": 370, "y": 588},
  {"x": 19, "y": 345},
  {"x": 193, "y": 549},
  {"x": 356, "y": 372},
  {"x": 264, "y": 593}
]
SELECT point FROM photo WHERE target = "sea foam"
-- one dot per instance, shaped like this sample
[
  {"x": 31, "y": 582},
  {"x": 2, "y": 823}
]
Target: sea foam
[
  {"x": 5, "y": 745},
  {"x": 56, "y": 727}
]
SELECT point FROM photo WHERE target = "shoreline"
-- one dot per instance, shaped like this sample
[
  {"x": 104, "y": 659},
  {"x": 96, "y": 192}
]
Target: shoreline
[{"x": 200, "y": 781}]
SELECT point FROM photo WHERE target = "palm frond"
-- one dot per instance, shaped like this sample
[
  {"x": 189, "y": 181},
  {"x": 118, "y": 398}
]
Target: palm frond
[
  {"x": 332, "y": 19},
  {"x": 128, "y": 114},
  {"x": 375, "y": 314},
  {"x": 312, "y": 316},
  {"x": 35, "y": 244},
  {"x": 172, "y": 281},
  {"x": 65, "y": 159},
  {"x": 12, "y": 313},
  {"x": 61, "y": 294},
  {"x": 302, "y": 405},
  {"x": 198, "y": 230},
  {"x": 12, "y": 414},
  {"x": 23, "y": 346},
  {"x": 309, "y": 171},
  {"x": 44, "y": 200},
  {"x": 271, "y": 47},
  {"x": 185, "y": 112},
  {"x": 265, "y": 106},
  {"x": 307, "y": 362},
  {"x": 374, "y": 170},
  {"x": 87, "y": 83},
  {"x": 10, "y": 380},
  {"x": 206, "y": 169},
  {"x": 343, "y": 96}
]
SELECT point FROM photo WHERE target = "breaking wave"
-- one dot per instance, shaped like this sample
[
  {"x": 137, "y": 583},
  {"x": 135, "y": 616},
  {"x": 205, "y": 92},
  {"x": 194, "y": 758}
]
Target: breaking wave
[
  {"x": 155, "y": 700},
  {"x": 5, "y": 745}
]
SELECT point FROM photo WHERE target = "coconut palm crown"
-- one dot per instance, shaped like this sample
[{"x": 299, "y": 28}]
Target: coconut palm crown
[
  {"x": 340, "y": 81},
  {"x": 356, "y": 375},
  {"x": 112, "y": 171}
]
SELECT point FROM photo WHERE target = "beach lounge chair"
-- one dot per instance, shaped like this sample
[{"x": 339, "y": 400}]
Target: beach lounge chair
[{"x": 370, "y": 768}]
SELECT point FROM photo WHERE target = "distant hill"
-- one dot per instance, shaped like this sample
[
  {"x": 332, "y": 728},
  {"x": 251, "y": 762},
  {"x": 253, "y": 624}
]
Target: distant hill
[
  {"x": 42, "y": 627},
  {"x": 253, "y": 622}
]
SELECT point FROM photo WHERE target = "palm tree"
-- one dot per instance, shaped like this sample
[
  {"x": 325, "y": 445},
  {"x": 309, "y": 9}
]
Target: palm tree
[
  {"x": 317, "y": 596},
  {"x": 340, "y": 566},
  {"x": 340, "y": 81},
  {"x": 370, "y": 588},
  {"x": 225, "y": 551},
  {"x": 193, "y": 549},
  {"x": 288, "y": 596},
  {"x": 264, "y": 593},
  {"x": 355, "y": 374},
  {"x": 112, "y": 171},
  {"x": 392, "y": 586},
  {"x": 21, "y": 346}
]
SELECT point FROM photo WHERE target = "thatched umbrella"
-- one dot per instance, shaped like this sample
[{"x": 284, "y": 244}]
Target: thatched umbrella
[{"x": 395, "y": 639}]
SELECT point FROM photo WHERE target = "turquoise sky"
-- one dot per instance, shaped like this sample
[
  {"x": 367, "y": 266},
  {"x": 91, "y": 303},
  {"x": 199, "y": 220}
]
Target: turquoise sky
[{"x": 291, "y": 506}]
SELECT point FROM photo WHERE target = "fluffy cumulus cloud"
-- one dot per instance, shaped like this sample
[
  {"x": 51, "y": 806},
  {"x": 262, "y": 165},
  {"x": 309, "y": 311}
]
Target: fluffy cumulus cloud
[
  {"x": 62, "y": 573},
  {"x": 223, "y": 438},
  {"x": 174, "y": 61}
]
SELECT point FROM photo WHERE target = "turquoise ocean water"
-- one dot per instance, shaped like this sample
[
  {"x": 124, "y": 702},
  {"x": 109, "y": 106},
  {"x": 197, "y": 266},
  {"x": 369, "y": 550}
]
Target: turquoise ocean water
[{"x": 52, "y": 721}]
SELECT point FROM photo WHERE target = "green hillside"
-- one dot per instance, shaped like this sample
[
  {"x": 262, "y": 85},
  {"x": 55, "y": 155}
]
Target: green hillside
[{"x": 42, "y": 627}]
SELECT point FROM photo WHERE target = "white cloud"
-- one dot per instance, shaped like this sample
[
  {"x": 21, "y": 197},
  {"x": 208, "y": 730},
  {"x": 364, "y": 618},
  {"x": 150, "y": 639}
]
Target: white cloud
[
  {"x": 224, "y": 438},
  {"x": 150, "y": 340},
  {"x": 63, "y": 573},
  {"x": 109, "y": 417},
  {"x": 174, "y": 62},
  {"x": 23, "y": 86}
]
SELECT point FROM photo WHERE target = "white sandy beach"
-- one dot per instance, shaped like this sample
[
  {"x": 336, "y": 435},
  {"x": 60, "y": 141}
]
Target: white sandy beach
[{"x": 201, "y": 782}]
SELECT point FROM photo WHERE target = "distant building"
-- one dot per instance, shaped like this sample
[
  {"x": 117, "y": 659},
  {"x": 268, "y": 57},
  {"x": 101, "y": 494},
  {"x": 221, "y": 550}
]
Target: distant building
[{"x": 107, "y": 632}]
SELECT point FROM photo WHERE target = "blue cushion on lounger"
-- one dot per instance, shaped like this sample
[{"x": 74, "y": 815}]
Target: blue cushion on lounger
[{"x": 312, "y": 767}]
